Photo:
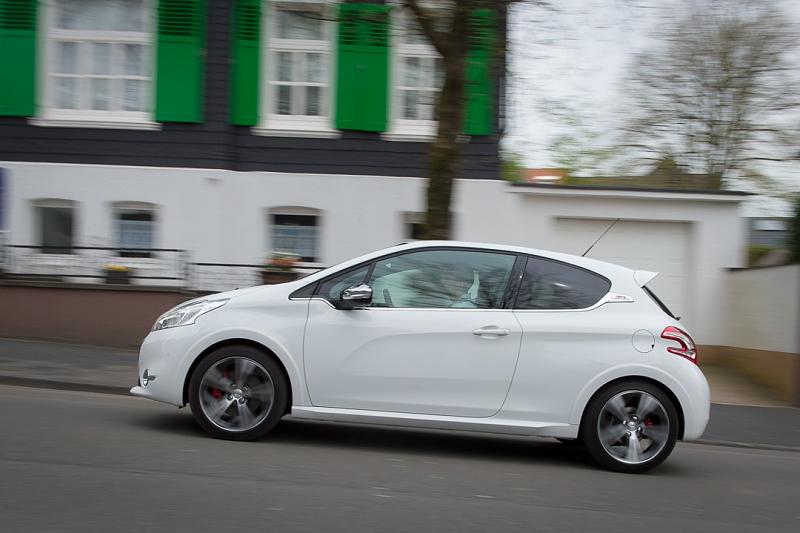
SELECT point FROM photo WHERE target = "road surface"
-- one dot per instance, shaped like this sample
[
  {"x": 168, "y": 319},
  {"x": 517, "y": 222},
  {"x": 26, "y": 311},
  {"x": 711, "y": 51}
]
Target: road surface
[{"x": 77, "y": 461}]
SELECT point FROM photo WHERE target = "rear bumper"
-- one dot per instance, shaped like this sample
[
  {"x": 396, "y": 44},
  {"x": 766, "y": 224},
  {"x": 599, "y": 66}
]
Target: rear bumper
[{"x": 696, "y": 404}]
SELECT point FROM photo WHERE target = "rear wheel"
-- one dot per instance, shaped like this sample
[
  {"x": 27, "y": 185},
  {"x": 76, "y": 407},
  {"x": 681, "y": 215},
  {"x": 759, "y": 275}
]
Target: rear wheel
[
  {"x": 238, "y": 392},
  {"x": 630, "y": 427}
]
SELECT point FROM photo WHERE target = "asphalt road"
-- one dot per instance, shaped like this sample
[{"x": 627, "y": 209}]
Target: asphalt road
[{"x": 76, "y": 461}]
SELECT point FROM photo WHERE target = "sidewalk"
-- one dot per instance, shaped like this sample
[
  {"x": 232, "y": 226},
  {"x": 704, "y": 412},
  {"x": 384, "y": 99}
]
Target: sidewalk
[{"x": 114, "y": 371}]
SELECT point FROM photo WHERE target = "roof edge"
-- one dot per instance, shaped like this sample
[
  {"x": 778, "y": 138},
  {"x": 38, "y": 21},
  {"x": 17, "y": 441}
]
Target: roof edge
[{"x": 631, "y": 189}]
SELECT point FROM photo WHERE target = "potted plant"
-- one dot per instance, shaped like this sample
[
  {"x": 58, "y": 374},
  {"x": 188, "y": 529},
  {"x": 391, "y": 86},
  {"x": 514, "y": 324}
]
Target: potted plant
[
  {"x": 279, "y": 268},
  {"x": 117, "y": 274}
]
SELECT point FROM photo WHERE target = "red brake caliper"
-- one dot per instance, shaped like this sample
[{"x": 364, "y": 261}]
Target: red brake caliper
[{"x": 216, "y": 393}]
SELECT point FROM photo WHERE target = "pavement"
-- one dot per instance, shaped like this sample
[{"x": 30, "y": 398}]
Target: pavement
[
  {"x": 749, "y": 416},
  {"x": 75, "y": 461}
]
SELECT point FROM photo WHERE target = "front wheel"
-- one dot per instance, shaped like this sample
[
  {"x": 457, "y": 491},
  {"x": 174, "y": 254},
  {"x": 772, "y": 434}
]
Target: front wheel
[
  {"x": 238, "y": 393},
  {"x": 630, "y": 427}
]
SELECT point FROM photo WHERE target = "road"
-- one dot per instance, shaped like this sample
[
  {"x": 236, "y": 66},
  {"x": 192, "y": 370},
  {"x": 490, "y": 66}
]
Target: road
[{"x": 77, "y": 461}]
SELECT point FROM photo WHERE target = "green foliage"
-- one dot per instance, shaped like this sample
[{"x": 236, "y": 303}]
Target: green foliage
[
  {"x": 756, "y": 252},
  {"x": 511, "y": 167}
]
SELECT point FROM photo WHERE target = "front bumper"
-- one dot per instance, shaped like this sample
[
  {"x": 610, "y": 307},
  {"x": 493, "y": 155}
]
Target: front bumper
[{"x": 161, "y": 355}]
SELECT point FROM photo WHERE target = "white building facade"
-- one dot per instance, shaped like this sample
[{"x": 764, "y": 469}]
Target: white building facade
[{"x": 240, "y": 218}]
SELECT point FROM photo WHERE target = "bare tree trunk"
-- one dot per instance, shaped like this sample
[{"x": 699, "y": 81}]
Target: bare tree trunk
[{"x": 442, "y": 161}]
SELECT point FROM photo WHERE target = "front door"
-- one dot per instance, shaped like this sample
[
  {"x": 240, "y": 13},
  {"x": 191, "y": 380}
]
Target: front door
[{"x": 435, "y": 340}]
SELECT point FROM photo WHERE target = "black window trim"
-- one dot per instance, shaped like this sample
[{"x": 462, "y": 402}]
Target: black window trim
[
  {"x": 598, "y": 303},
  {"x": 509, "y": 295}
]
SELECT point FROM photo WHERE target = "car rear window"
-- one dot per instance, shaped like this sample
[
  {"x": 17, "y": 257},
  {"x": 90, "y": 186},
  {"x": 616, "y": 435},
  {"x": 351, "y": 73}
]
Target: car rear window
[
  {"x": 658, "y": 302},
  {"x": 550, "y": 284}
]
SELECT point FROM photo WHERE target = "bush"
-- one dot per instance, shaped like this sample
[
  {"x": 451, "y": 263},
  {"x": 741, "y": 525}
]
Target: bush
[{"x": 756, "y": 252}]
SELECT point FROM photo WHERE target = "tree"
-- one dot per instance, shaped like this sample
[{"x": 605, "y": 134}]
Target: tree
[
  {"x": 794, "y": 232},
  {"x": 450, "y": 29},
  {"x": 715, "y": 90}
]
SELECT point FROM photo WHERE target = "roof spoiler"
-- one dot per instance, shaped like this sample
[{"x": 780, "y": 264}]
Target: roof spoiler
[{"x": 643, "y": 277}]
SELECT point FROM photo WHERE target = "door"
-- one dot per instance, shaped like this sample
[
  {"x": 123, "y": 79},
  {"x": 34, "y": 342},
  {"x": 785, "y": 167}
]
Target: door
[{"x": 436, "y": 338}]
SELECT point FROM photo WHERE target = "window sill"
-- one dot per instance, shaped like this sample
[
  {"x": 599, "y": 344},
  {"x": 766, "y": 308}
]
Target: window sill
[
  {"x": 315, "y": 134},
  {"x": 100, "y": 124},
  {"x": 401, "y": 136}
]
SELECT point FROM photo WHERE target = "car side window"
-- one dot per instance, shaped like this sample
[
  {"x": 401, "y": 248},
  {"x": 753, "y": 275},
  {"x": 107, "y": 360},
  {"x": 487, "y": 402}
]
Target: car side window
[
  {"x": 457, "y": 279},
  {"x": 331, "y": 289},
  {"x": 549, "y": 284}
]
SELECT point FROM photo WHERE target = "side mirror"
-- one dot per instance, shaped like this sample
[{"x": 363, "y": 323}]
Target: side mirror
[{"x": 356, "y": 296}]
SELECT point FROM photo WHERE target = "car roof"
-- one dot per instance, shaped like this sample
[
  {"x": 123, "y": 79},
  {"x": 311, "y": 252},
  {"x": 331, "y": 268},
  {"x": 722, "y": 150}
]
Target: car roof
[{"x": 609, "y": 270}]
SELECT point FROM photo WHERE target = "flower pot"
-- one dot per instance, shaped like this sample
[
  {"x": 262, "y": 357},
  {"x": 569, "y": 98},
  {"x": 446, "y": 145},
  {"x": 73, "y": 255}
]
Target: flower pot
[
  {"x": 274, "y": 277},
  {"x": 118, "y": 277}
]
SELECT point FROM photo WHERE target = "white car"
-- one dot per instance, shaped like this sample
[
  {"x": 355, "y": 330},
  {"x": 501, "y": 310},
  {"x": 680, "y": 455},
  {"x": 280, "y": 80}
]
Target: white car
[{"x": 444, "y": 335}]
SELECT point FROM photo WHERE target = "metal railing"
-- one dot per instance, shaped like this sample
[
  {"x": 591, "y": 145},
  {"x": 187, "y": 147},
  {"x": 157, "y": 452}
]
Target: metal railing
[
  {"x": 161, "y": 266},
  {"x": 169, "y": 267},
  {"x": 227, "y": 276}
]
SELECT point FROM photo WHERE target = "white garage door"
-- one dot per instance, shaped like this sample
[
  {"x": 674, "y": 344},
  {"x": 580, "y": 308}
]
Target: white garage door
[{"x": 657, "y": 246}]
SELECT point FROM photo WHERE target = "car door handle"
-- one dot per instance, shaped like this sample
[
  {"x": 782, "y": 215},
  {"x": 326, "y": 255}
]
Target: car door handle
[{"x": 491, "y": 332}]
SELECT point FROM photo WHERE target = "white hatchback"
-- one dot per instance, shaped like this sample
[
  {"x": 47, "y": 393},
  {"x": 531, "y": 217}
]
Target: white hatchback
[{"x": 444, "y": 335}]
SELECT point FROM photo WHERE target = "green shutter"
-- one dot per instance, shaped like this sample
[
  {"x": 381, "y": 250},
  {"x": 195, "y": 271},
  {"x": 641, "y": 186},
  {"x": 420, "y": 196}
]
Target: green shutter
[
  {"x": 245, "y": 62},
  {"x": 18, "y": 57},
  {"x": 181, "y": 59},
  {"x": 478, "y": 91},
  {"x": 362, "y": 90}
]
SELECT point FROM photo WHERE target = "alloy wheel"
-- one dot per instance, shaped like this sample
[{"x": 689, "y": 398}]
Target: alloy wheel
[
  {"x": 633, "y": 427},
  {"x": 236, "y": 394}
]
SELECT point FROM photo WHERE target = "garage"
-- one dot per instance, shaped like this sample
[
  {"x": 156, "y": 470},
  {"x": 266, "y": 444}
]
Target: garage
[{"x": 658, "y": 246}]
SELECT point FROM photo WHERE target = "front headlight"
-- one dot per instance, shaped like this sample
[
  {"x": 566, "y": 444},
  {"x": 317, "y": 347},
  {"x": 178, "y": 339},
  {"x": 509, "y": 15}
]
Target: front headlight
[{"x": 186, "y": 314}]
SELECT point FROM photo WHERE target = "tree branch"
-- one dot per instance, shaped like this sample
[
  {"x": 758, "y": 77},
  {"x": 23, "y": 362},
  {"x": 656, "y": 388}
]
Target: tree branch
[{"x": 425, "y": 20}]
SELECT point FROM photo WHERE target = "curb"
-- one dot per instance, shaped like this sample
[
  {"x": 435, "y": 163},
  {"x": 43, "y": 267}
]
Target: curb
[
  {"x": 752, "y": 446},
  {"x": 63, "y": 385},
  {"x": 124, "y": 391}
]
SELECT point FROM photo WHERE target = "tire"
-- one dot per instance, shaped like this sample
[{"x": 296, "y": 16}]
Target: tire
[
  {"x": 238, "y": 411},
  {"x": 630, "y": 426}
]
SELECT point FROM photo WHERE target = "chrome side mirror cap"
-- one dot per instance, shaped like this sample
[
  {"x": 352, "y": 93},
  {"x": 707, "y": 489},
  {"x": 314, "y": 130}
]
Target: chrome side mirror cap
[{"x": 356, "y": 296}]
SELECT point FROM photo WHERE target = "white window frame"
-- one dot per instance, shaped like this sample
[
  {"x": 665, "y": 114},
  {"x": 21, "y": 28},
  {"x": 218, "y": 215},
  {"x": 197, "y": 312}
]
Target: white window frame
[
  {"x": 401, "y": 129},
  {"x": 49, "y": 115},
  {"x": 296, "y": 210},
  {"x": 38, "y": 229},
  {"x": 271, "y": 123},
  {"x": 117, "y": 208}
]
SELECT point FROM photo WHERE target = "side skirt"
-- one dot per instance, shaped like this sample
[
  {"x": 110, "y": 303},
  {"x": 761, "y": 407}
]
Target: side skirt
[{"x": 485, "y": 425}]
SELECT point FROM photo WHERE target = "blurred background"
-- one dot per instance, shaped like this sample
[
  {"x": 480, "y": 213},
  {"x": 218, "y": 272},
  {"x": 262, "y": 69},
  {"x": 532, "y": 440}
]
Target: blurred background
[{"x": 153, "y": 150}]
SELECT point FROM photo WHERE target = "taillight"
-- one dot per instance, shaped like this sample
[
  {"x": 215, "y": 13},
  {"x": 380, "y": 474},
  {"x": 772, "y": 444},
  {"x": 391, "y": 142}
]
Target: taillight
[{"x": 685, "y": 348}]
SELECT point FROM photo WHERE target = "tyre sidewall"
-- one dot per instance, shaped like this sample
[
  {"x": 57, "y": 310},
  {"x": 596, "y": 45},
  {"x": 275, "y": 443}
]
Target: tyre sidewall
[
  {"x": 280, "y": 398},
  {"x": 591, "y": 439}
]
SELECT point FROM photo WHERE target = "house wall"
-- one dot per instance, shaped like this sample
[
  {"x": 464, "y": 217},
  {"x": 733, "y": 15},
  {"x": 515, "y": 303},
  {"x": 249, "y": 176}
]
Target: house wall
[
  {"x": 762, "y": 337},
  {"x": 221, "y": 216},
  {"x": 216, "y": 144}
]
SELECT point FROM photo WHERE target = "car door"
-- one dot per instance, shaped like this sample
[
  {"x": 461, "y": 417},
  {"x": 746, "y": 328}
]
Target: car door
[
  {"x": 566, "y": 337},
  {"x": 436, "y": 338}
]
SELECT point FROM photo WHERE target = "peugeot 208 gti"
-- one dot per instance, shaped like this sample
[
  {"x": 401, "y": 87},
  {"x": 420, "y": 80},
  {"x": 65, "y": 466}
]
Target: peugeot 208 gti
[{"x": 443, "y": 335}]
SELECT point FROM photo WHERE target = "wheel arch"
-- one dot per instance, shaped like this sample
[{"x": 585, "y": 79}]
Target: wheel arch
[
  {"x": 634, "y": 377},
  {"x": 233, "y": 342}
]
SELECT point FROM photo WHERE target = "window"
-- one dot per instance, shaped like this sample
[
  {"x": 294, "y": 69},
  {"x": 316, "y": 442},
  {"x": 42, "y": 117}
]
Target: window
[
  {"x": 298, "y": 63},
  {"x": 413, "y": 226},
  {"x": 419, "y": 78},
  {"x": 99, "y": 64},
  {"x": 331, "y": 289},
  {"x": 295, "y": 234},
  {"x": 56, "y": 226},
  {"x": 457, "y": 279},
  {"x": 135, "y": 228},
  {"x": 549, "y": 284}
]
